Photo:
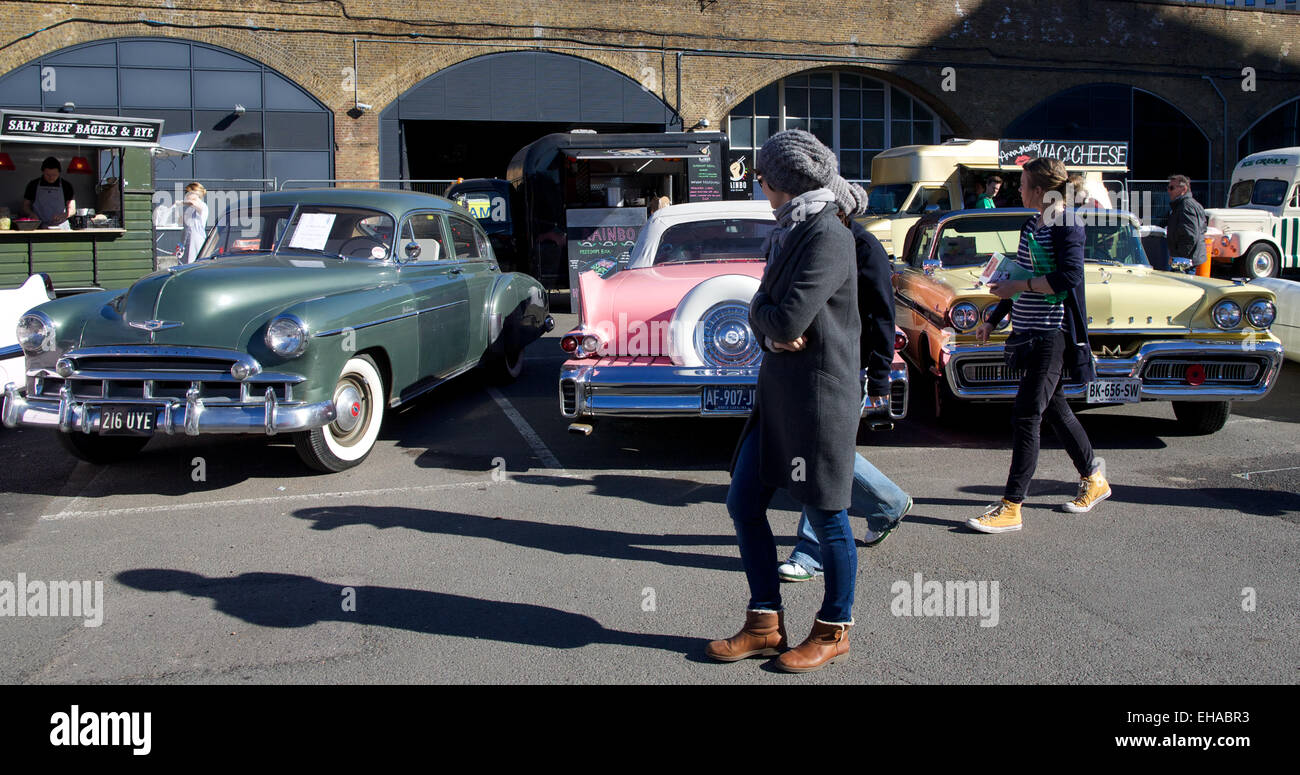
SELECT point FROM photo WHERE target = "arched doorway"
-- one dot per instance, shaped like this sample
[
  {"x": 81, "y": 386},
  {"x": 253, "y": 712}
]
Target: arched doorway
[
  {"x": 855, "y": 115},
  {"x": 1280, "y": 128},
  {"x": 469, "y": 119},
  {"x": 1162, "y": 140},
  {"x": 255, "y": 124}
]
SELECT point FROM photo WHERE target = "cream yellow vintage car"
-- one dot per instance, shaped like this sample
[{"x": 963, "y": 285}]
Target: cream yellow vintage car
[{"x": 1199, "y": 343}]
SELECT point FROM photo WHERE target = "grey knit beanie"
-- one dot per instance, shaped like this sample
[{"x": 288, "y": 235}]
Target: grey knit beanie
[
  {"x": 849, "y": 197},
  {"x": 795, "y": 161}
]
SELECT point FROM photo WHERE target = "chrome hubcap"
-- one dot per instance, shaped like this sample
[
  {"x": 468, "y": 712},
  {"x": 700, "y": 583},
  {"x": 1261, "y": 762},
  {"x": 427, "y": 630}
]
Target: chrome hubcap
[
  {"x": 1263, "y": 265},
  {"x": 349, "y": 408}
]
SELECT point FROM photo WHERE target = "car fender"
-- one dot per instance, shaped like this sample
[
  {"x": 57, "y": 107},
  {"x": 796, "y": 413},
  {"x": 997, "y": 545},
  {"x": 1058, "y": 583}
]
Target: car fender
[
  {"x": 516, "y": 312},
  {"x": 1238, "y": 243}
]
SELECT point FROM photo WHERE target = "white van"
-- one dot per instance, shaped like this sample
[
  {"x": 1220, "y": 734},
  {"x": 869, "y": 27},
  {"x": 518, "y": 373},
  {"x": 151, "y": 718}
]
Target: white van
[{"x": 1261, "y": 224}]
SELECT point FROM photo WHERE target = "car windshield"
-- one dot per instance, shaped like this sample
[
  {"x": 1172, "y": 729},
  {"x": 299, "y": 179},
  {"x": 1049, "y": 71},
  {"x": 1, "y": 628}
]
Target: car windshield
[
  {"x": 887, "y": 199},
  {"x": 247, "y": 230},
  {"x": 720, "y": 239},
  {"x": 973, "y": 241},
  {"x": 1268, "y": 192},
  {"x": 337, "y": 232}
]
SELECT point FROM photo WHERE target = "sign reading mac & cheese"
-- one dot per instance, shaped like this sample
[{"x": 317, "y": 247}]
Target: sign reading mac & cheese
[
  {"x": 1072, "y": 153},
  {"x": 67, "y": 128}
]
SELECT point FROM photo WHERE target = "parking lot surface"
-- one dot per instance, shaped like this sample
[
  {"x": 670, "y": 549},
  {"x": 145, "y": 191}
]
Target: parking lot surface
[{"x": 483, "y": 542}]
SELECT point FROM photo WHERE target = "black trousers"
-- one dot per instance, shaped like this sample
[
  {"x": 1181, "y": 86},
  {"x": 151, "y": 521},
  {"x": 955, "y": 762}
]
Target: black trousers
[{"x": 1040, "y": 398}]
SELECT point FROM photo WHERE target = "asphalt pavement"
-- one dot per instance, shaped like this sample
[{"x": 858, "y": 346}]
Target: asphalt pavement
[{"x": 483, "y": 542}]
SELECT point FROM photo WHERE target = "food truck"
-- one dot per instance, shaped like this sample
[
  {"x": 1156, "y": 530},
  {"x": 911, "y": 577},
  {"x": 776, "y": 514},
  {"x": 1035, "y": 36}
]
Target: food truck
[
  {"x": 911, "y": 180},
  {"x": 581, "y": 198},
  {"x": 106, "y": 160},
  {"x": 1261, "y": 224}
]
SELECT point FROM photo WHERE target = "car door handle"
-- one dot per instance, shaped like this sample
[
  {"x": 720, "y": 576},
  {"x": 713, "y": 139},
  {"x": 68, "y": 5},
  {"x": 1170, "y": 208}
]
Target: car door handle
[{"x": 455, "y": 270}]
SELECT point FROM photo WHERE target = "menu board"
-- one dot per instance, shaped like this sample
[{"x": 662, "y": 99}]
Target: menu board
[
  {"x": 704, "y": 175},
  {"x": 600, "y": 240},
  {"x": 740, "y": 178}
]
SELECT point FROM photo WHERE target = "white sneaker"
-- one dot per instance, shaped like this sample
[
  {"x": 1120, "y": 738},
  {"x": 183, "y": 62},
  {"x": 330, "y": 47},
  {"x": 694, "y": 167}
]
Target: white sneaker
[{"x": 793, "y": 571}]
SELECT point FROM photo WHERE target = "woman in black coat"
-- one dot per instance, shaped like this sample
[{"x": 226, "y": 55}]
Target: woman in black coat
[{"x": 802, "y": 433}]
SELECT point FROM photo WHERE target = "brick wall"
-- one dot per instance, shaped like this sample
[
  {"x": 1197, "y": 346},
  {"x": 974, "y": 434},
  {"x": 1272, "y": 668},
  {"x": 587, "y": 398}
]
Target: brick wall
[{"x": 1007, "y": 55}]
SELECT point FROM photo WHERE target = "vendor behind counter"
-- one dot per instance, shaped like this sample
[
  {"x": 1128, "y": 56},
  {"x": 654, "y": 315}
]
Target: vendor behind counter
[{"x": 49, "y": 197}]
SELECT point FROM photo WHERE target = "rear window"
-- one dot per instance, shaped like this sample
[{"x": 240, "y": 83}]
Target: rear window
[{"x": 722, "y": 239}]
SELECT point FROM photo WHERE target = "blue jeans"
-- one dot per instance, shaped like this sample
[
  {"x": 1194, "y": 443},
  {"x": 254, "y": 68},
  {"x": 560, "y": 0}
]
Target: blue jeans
[
  {"x": 874, "y": 496},
  {"x": 747, "y": 502}
]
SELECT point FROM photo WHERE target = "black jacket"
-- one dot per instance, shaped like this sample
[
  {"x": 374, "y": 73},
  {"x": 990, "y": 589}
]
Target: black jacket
[
  {"x": 1067, "y": 243},
  {"x": 808, "y": 403},
  {"x": 1185, "y": 229},
  {"x": 876, "y": 308}
]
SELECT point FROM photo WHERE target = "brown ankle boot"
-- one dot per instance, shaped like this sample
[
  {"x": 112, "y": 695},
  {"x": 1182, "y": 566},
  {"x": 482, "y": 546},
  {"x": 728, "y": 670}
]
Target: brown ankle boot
[
  {"x": 827, "y": 643},
  {"x": 763, "y": 635}
]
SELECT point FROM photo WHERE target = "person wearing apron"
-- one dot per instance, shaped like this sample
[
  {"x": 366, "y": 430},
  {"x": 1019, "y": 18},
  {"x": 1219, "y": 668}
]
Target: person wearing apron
[{"x": 49, "y": 197}]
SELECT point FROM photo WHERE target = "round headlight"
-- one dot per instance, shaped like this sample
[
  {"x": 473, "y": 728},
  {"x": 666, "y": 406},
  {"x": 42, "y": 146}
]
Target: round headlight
[
  {"x": 36, "y": 333},
  {"x": 1261, "y": 313},
  {"x": 988, "y": 314},
  {"x": 723, "y": 337},
  {"x": 964, "y": 316},
  {"x": 1227, "y": 314},
  {"x": 286, "y": 336}
]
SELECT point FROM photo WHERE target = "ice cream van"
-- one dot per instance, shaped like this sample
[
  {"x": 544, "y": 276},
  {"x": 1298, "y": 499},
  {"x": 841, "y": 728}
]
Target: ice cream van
[
  {"x": 911, "y": 180},
  {"x": 1261, "y": 224}
]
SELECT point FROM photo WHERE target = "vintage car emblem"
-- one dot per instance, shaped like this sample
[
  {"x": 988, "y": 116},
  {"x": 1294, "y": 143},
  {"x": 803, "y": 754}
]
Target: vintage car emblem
[{"x": 155, "y": 325}]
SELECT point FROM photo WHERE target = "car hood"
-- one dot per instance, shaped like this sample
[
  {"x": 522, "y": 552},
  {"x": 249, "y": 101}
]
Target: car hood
[
  {"x": 1245, "y": 218},
  {"x": 221, "y": 303},
  {"x": 1119, "y": 298}
]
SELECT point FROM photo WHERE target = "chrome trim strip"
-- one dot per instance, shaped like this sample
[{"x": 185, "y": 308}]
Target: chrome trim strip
[
  {"x": 166, "y": 351},
  {"x": 12, "y": 351},
  {"x": 161, "y": 375},
  {"x": 398, "y": 400},
  {"x": 337, "y": 331}
]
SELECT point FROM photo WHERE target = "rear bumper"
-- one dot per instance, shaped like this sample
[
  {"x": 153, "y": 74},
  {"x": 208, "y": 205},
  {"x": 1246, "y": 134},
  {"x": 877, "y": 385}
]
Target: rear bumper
[
  {"x": 977, "y": 372},
  {"x": 588, "y": 389},
  {"x": 191, "y": 417}
]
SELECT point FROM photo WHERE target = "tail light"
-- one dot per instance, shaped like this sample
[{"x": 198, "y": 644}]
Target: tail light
[
  {"x": 900, "y": 341},
  {"x": 580, "y": 344},
  {"x": 570, "y": 343}
]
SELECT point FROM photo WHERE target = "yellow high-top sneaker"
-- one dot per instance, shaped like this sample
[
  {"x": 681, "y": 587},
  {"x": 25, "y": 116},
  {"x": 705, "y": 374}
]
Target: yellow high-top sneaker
[
  {"x": 999, "y": 518},
  {"x": 1093, "y": 489}
]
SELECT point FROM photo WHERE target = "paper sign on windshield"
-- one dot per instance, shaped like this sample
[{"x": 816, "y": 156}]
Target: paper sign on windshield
[{"x": 313, "y": 230}]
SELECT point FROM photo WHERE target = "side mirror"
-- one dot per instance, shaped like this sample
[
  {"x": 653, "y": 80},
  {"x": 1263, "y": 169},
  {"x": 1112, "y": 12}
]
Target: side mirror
[
  {"x": 411, "y": 251},
  {"x": 930, "y": 265},
  {"x": 932, "y": 208},
  {"x": 1177, "y": 264}
]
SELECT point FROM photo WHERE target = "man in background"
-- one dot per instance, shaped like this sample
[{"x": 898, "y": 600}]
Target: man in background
[{"x": 1185, "y": 229}]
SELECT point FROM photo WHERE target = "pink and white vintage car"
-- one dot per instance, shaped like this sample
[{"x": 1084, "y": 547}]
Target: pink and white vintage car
[{"x": 669, "y": 335}]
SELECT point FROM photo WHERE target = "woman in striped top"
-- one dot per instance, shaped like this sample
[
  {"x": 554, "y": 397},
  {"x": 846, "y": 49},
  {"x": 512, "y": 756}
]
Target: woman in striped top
[{"x": 1049, "y": 343}]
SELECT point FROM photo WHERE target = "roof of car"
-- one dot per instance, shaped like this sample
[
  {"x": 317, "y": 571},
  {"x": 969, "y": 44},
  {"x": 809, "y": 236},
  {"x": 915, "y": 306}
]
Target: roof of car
[
  {"x": 385, "y": 199},
  {"x": 694, "y": 211}
]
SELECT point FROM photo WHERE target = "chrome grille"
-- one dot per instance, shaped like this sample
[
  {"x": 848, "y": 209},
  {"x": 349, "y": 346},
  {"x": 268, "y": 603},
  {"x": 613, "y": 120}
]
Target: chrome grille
[
  {"x": 1236, "y": 372},
  {"x": 568, "y": 398},
  {"x": 988, "y": 373},
  {"x": 162, "y": 374},
  {"x": 897, "y": 399}
]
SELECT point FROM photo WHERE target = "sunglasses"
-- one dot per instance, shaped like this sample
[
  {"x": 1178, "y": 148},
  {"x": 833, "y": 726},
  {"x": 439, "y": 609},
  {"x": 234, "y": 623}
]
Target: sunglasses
[{"x": 759, "y": 177}]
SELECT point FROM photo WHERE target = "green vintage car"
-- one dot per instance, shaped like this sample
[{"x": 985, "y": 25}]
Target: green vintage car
[
  {"x": 308, "y": 314},
  {"x": 1198, "y": 343}
]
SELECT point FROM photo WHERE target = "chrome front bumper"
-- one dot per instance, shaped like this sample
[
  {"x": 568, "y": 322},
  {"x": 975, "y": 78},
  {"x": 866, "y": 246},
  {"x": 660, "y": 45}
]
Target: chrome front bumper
[
  {"x": 191, "y": 417},
  {"x": 653, "y": 390},
  {"x": 1267, "y": 355}
]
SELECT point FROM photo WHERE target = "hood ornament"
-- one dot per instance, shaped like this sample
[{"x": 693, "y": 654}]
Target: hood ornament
[{"x": 154, "y": 325}]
